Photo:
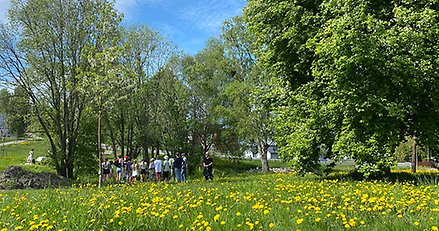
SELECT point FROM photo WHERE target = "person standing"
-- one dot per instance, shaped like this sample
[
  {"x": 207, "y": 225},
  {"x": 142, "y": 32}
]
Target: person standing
[
  {"x": 106, "y": 169},
  {"x": 171, "y": 165},
  {"x": 178, "y": 163},
  {"x": 166, "y": 169},
  {"x": 208, "y": 167},
  {"x": 143, "y": 169},
  {"x": 30, "y": 157},
  {"x": 134, "y": 171},
  {"x": 184, "y": 168},
  {"x": 151, "y": 169},
  {"x": 118, "y": 164},
  {"x": 128, "y": 170},
  {"x": 158, "y": 168}
]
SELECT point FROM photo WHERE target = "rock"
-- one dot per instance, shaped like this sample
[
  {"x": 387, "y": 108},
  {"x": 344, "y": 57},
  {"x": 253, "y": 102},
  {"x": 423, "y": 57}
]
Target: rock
[{"x": 15, "y": 177}]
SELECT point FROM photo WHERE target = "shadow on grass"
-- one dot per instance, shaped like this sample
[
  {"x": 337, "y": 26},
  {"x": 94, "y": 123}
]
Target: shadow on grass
[{"x": 420, "y": 178}]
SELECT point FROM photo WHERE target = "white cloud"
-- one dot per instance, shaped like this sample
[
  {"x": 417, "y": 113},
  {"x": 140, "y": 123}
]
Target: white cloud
[
  {"x": 4, "y": 7},
  {"x": 209, "y": 15},
  {"x": 129, "y": 7}
]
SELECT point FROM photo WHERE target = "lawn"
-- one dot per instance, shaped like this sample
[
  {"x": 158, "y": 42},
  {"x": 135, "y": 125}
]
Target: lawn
[
  {"x": 242, "y": 202},
  {"x": 16, "y": 154}
]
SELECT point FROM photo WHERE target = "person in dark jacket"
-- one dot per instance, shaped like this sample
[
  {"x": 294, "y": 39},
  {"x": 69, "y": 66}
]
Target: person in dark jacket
[
  {"x": 178, "y": 165},
  {"x": 208, "y": 167}
]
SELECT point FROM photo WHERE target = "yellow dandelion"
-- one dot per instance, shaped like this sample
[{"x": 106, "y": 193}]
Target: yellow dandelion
[
  {"x": 271, "y": 225},
  {"x": 222, "y": 222},
  {"x": 416, "y": 223},
  {"x": 19, "y": 228},
  {"x": 216, "y": 218},
  {"x": 238, "y": 214},
  {"x": 434, "y": 228},
  {"x": 318, "y": 219},
  {"x": 266, "y": 212},
  {"x": 299, "y": 221}
]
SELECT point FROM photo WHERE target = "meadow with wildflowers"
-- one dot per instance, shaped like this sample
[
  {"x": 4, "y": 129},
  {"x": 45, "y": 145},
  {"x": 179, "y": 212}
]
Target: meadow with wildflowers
[{"x": 244, "y": 202}]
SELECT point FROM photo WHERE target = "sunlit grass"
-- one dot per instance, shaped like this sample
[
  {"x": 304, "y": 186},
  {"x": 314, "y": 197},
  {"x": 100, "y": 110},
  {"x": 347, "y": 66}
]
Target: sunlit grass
[
  {"x": 16, "y": 154},
  {"x": 243, "y": 202}
]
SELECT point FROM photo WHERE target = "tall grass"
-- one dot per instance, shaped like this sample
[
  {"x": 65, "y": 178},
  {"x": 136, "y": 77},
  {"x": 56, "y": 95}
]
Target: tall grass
[{"x": 243, "y": 202}]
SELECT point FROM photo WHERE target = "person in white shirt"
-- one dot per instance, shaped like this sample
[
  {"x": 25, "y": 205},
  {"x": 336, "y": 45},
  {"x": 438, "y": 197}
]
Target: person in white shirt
[
  {"x": 30, "y": 158},
  {"x": 158, "y": 168},
  {"x": 143, "y": 170}
]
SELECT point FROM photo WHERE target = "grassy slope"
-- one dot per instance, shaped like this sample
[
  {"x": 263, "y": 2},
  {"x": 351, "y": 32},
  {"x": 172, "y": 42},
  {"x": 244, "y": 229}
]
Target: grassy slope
[{"x": 16, "y": 154}]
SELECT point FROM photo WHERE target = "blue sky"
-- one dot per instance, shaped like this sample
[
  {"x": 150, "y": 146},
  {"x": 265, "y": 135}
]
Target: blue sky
[{"x": 187, "y": 23}]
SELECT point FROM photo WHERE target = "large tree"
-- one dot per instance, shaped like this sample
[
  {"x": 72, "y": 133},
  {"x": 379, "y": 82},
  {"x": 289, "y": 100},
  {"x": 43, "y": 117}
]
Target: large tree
[
  {"x": 248, "y": 109},
  {"x": 206, "y": 75},
  {"x": 42, "y": 54},
  {"x": 147, "y": 55},
  {"x": 352, "y": 77}
]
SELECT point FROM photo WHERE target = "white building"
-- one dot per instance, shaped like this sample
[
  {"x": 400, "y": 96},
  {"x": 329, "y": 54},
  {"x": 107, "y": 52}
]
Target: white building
[
  {"x": 4, "y": 131},
  {"x": 272, "y": 153}
]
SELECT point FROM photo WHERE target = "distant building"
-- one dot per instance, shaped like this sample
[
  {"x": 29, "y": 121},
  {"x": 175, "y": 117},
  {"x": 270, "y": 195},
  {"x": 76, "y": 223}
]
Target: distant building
[
  {"x": 272, "y": 153},
  {"x": 4, "y": 131}
]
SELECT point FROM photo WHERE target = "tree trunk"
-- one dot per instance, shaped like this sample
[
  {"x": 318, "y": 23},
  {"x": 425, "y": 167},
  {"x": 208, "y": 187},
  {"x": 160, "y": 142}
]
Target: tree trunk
[
  {"x": 145, "y": 148},
  {"x": 130, "y": 147},
  {"x": 113, "y": 141},
  {"x": 262, "y": 150},
  {"x": 158, "y": 149},
  {"x": 414, "y": 156},
  {"x": 99, "y": 143},
  {"x": 122, "y": 135}
]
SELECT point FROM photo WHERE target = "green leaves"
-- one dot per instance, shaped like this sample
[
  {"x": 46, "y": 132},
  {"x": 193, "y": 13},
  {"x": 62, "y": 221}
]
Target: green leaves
[{"x": 359, "y": 76}]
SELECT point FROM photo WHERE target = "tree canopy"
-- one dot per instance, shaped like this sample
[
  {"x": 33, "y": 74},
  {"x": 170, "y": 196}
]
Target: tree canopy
[{"x": 353, "y": 78}]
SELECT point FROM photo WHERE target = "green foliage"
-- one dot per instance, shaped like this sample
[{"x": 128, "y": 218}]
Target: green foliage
[
  {"x": 206, "y": 75},
  {"x": 247, "y": 110},
  {"x": 403, "y": 153},
  {"x": 17, "y": 109},
  {"x": 86, "y": 161},
  {"x": 354, "y": 76}
]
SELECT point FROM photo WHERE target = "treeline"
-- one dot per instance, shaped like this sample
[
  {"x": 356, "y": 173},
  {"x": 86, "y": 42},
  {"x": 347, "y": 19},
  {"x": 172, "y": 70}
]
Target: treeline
[
  {"x": 320, "y": 78},
  {"x": 90, "y": 81}
]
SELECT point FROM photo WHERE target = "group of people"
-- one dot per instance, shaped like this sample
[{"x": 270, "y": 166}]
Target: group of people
[
  {"x": 156, "y": 169},
  {"x": 125, "y": 169}
]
